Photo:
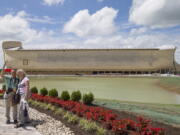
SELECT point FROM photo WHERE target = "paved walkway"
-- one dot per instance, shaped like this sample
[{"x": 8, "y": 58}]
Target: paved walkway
[{"x": 10, "y": 130}]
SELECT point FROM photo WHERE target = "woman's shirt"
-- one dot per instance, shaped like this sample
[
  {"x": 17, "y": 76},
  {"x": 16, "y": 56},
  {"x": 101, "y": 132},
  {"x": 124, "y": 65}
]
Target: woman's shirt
[{"x": 23, "y": 86}]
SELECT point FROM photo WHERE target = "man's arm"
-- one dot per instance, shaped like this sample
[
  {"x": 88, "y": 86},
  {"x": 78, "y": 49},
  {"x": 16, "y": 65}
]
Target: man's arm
[{"x": 2, "y": 72}]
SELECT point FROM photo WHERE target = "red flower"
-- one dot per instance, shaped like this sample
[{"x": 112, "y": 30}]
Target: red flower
[
  {"x": 106, "y": 117},
  {"x": 2, "y": 91}
]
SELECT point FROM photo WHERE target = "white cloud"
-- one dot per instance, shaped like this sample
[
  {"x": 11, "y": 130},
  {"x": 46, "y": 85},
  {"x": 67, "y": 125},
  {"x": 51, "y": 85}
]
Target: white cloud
[
  {"x": 53, "y": 2},
  {"x": 100, "y": 23},
  {"x": 135, "y": 41},
  {"x": 16, "y": 27},
  {"x": 155, "y": 13},
  {"x": 44, "y": 19},
  {"x": 137, "y": 31}
]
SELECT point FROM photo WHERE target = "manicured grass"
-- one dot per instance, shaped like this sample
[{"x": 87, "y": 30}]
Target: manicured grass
[
  {"x": 170, "y": 83},
  {"x": 119, "y": 88},
  {"x": 165, "y": 113}
]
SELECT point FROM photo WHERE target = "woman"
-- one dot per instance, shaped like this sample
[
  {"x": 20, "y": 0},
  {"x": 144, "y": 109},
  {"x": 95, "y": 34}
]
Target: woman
[{"x": 23, "y": 90}]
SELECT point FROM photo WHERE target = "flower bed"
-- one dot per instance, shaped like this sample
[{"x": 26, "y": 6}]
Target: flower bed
[
  {"x": 2, "y": 91},
  {"x": 105, "y": 117},
  {"x": 79, "y": 125}
]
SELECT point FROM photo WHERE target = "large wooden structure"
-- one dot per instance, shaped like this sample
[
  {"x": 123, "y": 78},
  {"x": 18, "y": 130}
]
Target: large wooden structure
[{"x": 89, "y": 61}]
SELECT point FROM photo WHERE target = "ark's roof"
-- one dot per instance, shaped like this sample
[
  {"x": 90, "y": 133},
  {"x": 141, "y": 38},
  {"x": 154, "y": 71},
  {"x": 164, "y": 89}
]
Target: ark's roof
[{"x": 87, "y": 49}]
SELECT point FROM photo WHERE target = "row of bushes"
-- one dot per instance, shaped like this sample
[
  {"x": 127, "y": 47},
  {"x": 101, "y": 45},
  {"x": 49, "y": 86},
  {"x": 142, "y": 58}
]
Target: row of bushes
[{"x": 75, "y": 95}]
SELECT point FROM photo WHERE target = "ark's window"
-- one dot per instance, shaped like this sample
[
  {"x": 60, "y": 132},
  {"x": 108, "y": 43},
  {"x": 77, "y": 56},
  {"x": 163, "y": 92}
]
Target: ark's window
[{"x": 25, "y": 61}]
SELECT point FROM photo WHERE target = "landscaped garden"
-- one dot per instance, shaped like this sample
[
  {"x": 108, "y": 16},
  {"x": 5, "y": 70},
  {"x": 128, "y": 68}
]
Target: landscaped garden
[
  {"x": 86, "y": 115},
  {"x": 79, "y": 111}
]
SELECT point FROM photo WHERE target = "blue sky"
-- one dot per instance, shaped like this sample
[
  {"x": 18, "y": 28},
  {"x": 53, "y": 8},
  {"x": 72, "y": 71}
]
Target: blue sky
[
  {"x": 63, "y": 12},
  {"x": 91, "y": 23}
]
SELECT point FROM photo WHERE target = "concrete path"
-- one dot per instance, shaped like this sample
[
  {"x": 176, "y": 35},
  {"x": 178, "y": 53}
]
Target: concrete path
[{"x": 10, "y": 130}]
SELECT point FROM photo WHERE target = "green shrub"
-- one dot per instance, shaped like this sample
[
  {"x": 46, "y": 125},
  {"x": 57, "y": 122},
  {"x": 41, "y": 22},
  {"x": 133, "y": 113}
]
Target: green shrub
[
  {"x": 88, "y": 98},
  {"x": 3, "y": 87},
  {"x": 44, "y": 91},
  {"x": 34, "y": 90},
  {"x": 53, "y": 93},
  {"x": 76, "y": 96},
  {"x": 65, "y": 95}
]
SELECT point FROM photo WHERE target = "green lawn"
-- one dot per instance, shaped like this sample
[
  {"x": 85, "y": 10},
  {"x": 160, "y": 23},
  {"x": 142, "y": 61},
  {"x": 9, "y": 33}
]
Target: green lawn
[
  {"x": 164, "y": 113},
  {"x": 173, "y": 81},
  {"x": 170, "y": 83},
  {"x": 119, "y": 88}
]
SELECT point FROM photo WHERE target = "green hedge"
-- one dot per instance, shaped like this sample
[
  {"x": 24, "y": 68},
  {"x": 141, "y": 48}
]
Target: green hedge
[
  {"x": 3, "y": 87},
  {"x": 53, "y": 93},
  {"x": 34, "y": 90},
  {"x": 88, "y": 98},
  {"x": 76, "y": 96},
  {"x": 44, "y": 91},
  {"x": 65, "y": 95}
]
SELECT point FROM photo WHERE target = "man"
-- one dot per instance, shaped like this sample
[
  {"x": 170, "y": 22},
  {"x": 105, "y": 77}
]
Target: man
[{"x": 11, "y": 88}]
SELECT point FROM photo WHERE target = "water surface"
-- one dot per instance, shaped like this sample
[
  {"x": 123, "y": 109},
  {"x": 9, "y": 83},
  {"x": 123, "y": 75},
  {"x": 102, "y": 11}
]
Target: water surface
[{"x": 126, "y": 89}]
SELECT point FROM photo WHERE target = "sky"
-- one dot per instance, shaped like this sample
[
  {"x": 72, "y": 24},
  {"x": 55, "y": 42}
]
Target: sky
[{"x": 91, "y": 24}]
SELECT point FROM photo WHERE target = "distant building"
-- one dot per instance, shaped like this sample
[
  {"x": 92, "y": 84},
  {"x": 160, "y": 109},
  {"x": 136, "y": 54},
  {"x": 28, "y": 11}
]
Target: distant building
[{"x": 89, "y": 61}]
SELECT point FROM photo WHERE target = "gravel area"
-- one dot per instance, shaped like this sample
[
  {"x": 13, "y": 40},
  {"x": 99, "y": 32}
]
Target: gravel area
[
  {"x": 45, "y": 124},
  {"x": 48, "y": 125}
]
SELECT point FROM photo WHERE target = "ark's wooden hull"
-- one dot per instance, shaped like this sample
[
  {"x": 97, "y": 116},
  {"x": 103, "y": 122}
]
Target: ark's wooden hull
[{"x": 92, "y": 60}]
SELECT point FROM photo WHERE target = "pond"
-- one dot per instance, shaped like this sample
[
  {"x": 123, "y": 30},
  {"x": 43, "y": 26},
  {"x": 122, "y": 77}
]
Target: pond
[{"x": 139, "y": 89}]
